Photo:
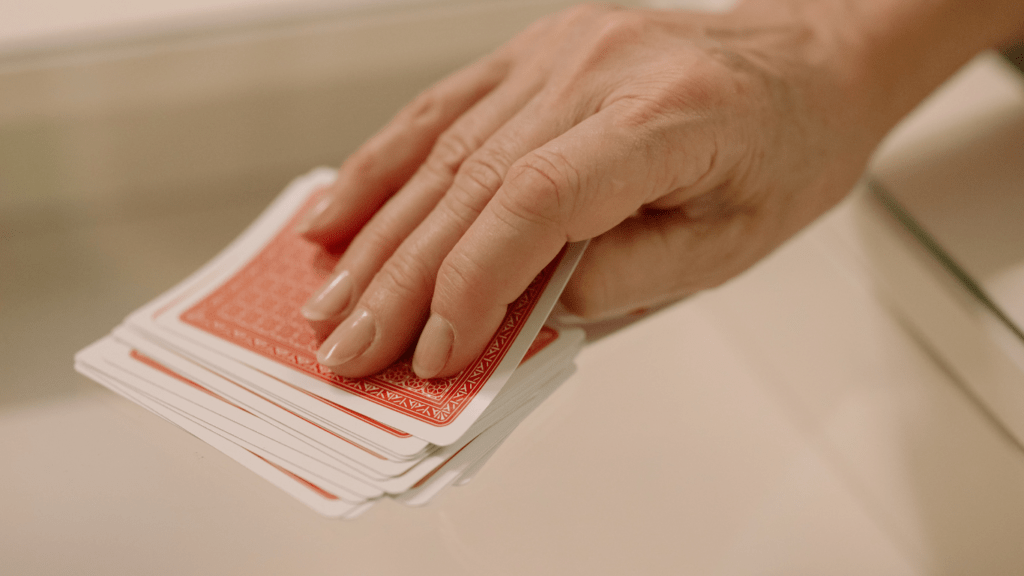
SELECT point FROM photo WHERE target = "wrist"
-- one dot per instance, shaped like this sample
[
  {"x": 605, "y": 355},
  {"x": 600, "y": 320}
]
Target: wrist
[
  {"x": 909, "y": 47},
  {"x": 885, "y": 56}
]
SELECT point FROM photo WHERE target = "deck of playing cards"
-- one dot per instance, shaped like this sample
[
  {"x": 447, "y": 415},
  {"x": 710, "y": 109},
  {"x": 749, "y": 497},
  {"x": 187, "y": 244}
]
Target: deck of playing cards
[{"x": 227, "y": 355}]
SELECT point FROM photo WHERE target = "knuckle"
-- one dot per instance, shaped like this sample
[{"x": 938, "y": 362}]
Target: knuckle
[
  {"x": 693, "y": 90},
  {"x": 375, "y": 237},
  {"x": 642, "y": 113},
  {"x": 407, "y": 277},
  {"x": 543, "y": 188},
  {"x": 455, "y": 281},
  {"x": 477, "y": 181},
  {"x": 621, "y": 26},
  {"x": 449, "y": 152},
  {"x": 463, "y": 206},
  {"x": 703, "y": 84},
  {"x": 425, "y": 109},
  {"x": 697, "y": 90},
  {"x": 483, "y": 172},
  {"x": 703, "y": 88},
  {"x": 598, "y": 34}
]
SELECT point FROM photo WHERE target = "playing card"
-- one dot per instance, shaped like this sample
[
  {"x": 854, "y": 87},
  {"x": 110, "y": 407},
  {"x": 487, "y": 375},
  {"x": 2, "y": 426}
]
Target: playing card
[
  {"x": 474, "y": 455},
  {"x": 245, "y": 310},
  {"x": 227, "y": 395},
  {"x": 197, "y": 393},
  {"x": 201, "y": 402},
  {"x": 551, "y": 349},
  {"x": 306, "y": 491},
  {"x": 227, "y": 356},
  {"x": 263, "y": 422},
  {"x": 246, "y": 432},
  {"x": 187, "y": 404},
  {"x": 470, "y": 472}
]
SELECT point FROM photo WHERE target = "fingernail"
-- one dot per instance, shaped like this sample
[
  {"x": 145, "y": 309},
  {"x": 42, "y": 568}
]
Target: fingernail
[
  {"x": 314, "y": 218},
  {"x": 331, "y": 299},
  {"x": 349, "y": 340},
  {"x": 434, "y": 347}
]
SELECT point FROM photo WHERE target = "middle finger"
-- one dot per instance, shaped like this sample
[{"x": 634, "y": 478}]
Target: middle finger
[
  {"x": 394, "y": 306},
  {"x": 400, "y": 215}
]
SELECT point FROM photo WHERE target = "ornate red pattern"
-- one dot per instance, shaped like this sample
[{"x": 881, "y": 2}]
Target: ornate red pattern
[{"x": 258, "y": 309}]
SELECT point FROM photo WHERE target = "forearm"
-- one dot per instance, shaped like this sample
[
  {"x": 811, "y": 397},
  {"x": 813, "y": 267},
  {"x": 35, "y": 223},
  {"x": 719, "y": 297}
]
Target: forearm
[{"x": 892, "y": 53}]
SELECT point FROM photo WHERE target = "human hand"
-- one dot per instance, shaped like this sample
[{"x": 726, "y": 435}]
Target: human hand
[{"x": 687, "y": 146}]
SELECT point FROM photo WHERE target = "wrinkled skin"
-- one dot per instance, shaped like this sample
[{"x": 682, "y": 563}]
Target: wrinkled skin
[{"x": 686, "y": 146}]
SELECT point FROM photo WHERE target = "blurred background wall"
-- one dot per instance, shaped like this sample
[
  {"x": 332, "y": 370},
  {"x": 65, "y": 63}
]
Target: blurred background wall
[
  {"x": 138, "y": 137},
  {"x": 109, "y": 106}
]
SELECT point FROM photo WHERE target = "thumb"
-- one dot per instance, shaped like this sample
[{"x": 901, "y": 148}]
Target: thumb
[{"x": 657, "y": 257}]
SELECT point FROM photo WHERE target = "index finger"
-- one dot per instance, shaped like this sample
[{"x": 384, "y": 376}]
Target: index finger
[{"x": 374, "y": 172}]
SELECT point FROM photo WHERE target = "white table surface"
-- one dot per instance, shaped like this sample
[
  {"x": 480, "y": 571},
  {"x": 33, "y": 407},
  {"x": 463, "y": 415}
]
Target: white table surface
[{"x": 784, "y": 423}]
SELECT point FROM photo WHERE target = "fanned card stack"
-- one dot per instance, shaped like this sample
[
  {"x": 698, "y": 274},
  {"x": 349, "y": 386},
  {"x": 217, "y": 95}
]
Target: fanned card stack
[{"x": 227, "y": 356}]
